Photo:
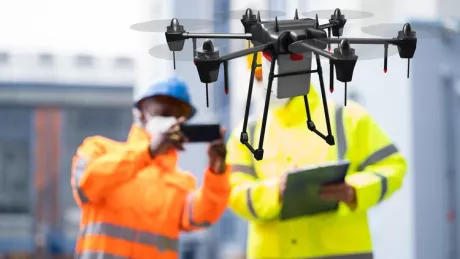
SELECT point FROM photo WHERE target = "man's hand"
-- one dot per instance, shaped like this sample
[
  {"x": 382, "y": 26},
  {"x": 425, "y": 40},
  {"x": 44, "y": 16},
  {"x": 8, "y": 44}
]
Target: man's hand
[
  {"x": 217, "y": 152},
  {"x": 162, "y": 142},
  {"x": 282, "y": 185},
  {"x": 339, "y": 192}
]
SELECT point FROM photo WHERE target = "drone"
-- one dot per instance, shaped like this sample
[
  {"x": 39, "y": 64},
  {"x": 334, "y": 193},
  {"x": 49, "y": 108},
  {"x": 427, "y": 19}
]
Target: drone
[{"x": 288, "y": 47}]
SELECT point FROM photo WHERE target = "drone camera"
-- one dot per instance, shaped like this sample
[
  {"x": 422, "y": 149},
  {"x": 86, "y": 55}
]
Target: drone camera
[
  {"x": 207, "y": 61},
  {"x": 407, "y": 42},
  {"x": 174, "y": 36}
]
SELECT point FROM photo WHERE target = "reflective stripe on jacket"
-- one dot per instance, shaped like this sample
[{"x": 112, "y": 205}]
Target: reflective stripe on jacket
[
  {"x": 377, "y": 170},
  {"x": 134, "y": 206}
]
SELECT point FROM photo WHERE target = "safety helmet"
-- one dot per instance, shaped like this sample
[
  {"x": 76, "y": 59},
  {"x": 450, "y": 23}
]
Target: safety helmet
[{"x": 172, "y": 87}]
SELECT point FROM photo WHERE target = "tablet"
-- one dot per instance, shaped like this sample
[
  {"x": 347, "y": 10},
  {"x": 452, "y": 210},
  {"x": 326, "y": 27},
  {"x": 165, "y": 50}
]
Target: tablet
[{"x": 301, "y": 195}]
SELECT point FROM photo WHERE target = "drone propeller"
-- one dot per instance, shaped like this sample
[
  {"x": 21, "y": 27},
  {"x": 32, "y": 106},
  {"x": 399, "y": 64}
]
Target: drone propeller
[
  {"x": 425, "y": 31},
  {"x": 160, "y": 25},
  {"x": 264, "y": 14},
  {"x": 349, "y": 14}
]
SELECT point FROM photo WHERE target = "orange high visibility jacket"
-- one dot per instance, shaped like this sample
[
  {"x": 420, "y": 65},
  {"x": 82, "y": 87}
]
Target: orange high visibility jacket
[{"x": 133, "y": 205}]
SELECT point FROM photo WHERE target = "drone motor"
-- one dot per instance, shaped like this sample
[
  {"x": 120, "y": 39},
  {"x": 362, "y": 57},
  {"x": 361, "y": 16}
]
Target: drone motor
[
  {"x": 174, "y": 38},
  {"x": 338, "y": 21},
  {"x": 207, "y": 61},
  {"x": 407, "y": 44}
]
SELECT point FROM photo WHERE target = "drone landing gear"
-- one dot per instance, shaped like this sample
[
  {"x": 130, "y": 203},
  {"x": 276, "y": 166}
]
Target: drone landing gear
[
  {"x": 329, "y": 138},
  {"x": 244, "y": 139}
]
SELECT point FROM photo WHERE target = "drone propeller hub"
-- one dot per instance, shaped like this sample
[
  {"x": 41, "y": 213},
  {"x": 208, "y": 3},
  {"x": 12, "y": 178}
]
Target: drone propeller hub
[
  {"x": 207, "y": 61},
  {"x": 174, "y": 35},
  {"x": 407, "y": 41},
  {"x": 249, "y": 19},
  {"x": 338, "y": 20}
]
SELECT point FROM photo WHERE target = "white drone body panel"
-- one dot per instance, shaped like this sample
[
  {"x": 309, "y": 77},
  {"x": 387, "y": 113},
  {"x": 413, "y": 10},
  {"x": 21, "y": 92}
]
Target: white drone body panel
[{"x": 288, "y": 86}]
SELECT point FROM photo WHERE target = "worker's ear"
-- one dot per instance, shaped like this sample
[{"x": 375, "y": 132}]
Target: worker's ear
[{"x": 138, "y": 117}]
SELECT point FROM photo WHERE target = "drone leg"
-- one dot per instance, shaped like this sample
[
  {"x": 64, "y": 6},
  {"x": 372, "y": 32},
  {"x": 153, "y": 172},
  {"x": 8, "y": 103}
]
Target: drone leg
[
  {"x": 385, "y": 59},
  {"x": 226, "y": 77},
  {"x": 329, "y": 35},
  {"x": 408, "y": 67},
  {"x": 345, "y": 96},
  {"x": 174, "y": 59},
  {"x": 244, "y": 135},
  {"x": 331, "y": 76},
  {"x": 207, "y": 96},
  {"x": 329, "y": 138},
  {"x": 259, "y": 153}
]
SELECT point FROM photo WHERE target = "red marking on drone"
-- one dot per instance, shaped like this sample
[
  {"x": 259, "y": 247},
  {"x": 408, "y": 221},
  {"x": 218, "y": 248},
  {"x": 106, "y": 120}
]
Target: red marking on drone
[
  {"x": 385, "y": 70},
  {"x": 267, "y": 56},
  {"x": 331, "y": 90},
  {"x": 329, "y": 49},
  {"x": 226, "y": 91},
  {"x": 296, "y": 57}
]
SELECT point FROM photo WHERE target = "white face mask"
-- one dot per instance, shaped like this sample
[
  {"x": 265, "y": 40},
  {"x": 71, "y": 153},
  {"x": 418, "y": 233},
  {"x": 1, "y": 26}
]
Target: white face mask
[{"x": 159, "y": 124}]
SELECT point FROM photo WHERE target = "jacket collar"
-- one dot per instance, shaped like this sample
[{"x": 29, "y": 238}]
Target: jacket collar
[
  {"x": 294, "y": 112},
  {"x": 138, "y": 135}
]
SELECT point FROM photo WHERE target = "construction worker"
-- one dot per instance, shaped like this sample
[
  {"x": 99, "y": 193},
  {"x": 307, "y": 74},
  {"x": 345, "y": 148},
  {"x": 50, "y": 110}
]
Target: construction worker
[
  {"x": 376, "y": 171},
  {"x": 134, "y": 199}
]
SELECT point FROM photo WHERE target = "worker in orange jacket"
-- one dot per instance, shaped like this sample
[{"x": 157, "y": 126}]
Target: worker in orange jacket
[{"x": 134, "y": 198}]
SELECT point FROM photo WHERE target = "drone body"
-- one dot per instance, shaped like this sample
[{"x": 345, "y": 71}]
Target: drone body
[{"x": 288, "y": 48}]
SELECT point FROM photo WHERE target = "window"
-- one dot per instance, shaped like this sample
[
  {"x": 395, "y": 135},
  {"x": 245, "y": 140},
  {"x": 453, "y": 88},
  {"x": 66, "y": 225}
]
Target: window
[
  {"x": 45, "y": 59},
  {"x": 15, "y": 160},
  {"x": 84, "y": 61},
  {"x": 124, "y": 63}
]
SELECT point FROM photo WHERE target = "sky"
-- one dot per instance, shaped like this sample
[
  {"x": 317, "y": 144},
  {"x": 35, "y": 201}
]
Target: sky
[{"x": 68, "y": 25}]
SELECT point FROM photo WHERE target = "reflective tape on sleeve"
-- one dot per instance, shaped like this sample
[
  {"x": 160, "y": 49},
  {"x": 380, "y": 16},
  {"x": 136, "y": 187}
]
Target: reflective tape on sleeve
[
  {"x": 249, "y": 202},
  {"x": 340, "y": 132},
  {"x": 161, "y": 242},
  {"x": 384, "y": 185},
  {"x": 80, "y": 167},
  {"x": 246, "y": 169},
  {"x": 378, "y": 156},
  {"x": 190, "y": 205},
  {"x": 98, "y": 255}
]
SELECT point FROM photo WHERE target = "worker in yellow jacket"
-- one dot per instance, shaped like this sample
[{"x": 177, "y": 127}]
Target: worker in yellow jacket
[{"x": 376, "y": 171}]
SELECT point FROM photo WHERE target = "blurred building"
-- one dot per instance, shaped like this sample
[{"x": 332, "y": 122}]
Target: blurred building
[{"x": 48, "y": 105}]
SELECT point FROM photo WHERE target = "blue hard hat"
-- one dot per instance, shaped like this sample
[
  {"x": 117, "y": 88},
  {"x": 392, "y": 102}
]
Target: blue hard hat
[{"x": 172, "y": 87}]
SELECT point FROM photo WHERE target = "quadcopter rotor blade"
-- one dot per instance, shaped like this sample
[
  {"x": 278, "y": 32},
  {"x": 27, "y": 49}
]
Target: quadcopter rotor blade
[
  {"x": 160, "y": 25},
  {"x": 264, "y": 14},
  {"x": 349, "y": 14},
  {"x": 162, "y": 51},
  {"x": 425, "y": 31}
]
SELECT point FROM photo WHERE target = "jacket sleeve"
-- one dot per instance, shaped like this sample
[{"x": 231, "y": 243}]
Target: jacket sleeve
[
  {"x": 378, "y": 166},
  {"x": 204, "y": 206},
  {"x": 99, "y": 166},
  {"x": 251, "y": 198}
]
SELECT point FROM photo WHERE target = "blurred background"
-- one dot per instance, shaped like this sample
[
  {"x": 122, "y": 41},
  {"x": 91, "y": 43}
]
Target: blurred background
[{"x": 69, "y": 69}]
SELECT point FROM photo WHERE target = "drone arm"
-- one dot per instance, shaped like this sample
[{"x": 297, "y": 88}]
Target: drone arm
[
  {"x": 325, "y": 26},
  {"x": 244, "y": 36},
  {"x": 297, "y": 47},
  {"x": 244, "y": 52},
  {"x": 363, "y": 40}
]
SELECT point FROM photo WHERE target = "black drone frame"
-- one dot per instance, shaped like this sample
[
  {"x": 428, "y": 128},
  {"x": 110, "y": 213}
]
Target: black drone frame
[{"x": 315, "y": 40}]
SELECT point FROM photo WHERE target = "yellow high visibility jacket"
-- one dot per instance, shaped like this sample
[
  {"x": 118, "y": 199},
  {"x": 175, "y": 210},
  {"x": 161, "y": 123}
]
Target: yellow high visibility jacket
[{"x": 376, "y": 171}]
